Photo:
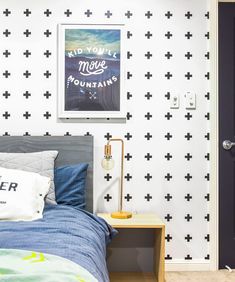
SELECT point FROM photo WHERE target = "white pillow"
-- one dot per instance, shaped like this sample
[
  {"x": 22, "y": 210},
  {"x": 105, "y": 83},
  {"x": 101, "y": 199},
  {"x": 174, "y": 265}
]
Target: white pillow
[{"x": 22, "y": 194}]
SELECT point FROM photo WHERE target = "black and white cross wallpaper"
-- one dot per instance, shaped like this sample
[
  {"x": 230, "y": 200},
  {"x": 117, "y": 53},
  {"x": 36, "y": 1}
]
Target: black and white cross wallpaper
[{"x": 167, "y": 150}]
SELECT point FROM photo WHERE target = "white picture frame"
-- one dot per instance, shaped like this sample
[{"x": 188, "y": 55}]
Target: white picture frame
[{"x": 91, "y": 71}]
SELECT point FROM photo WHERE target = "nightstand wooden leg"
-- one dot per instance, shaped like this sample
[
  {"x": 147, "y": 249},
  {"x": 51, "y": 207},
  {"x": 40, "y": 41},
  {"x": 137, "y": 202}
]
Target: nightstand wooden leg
[{"x": 159, "y": 254}]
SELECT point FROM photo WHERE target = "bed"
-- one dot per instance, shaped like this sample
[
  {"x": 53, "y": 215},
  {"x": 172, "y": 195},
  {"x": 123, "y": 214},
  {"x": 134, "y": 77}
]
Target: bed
[{"x": 68, "y": 243}]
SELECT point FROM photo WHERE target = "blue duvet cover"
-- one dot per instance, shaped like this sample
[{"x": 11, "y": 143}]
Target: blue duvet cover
[{"x": 64, "y": 231}]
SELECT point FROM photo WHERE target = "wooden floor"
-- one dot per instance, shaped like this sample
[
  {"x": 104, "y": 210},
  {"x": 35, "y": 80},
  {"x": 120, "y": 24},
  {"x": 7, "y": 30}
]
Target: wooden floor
[{"x": 132, "y": 277}]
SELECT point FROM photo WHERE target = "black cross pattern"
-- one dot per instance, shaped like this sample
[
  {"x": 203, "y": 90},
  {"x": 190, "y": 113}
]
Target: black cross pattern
[
  {"x": 47, "y": 53},
  {"x": 128, "y": 95},
  {"x": 207, "y": 237},
  {"x": 207, "y": 95},
  {"x": 47, "y": 94},
  {"x": 207, "y": 75},
  {"x": 207, "y": 55},
  {"x": 128, "y": 116},
  {"x": 188, "y": 217},
  {"x": 47, "y": 74},
  {"x": 27, "y": 53},
  {"x": 128, "y": 136},
  {"x": 168, "y": 237},
  {"x": 188, "y": 55},
  {"x": 207, "y": 177},
  {"x": 188, "y": 197},
  {"x": 188, "y": 238},
  {"x": 188, "y": 156},
  {"x": 207, "y": 197},
  {"x": 168, "y": 14},
  {"x": 6, "y": 134},
  {"x": 188, "y": 35},
  {"x": 168, "y": 156},
  {"x": 148, "y": 156},
  {"x": 207, "y": 156},
  {"x": 27, "y": 74},
  {"x": 148, "y": 197},
  {"x": 128, "y": 197},
  {"x": 108, "y": 136},
  {"x": 26, "y": 115},
  {"x": 207, "y": 136},
  {"x": 168, "y": 55},
  {"x": 168, "y": 95},
  {"x": 47, "y": 33},
  {"x": 168, "y": 257},
  {"x": 68, "y": 13},
  {"x": 207, "y": 116},
  {"x": 207, "y": 217},
  {"x": 168, "y": 177},
  {"x": 26, "y": 133},
  {"x": 148, "y": 177},
  {"x": 188, "y": 75},
  {"x": 148, "y": 136},
  {"x": 168, "y": 136},
  {"x": 26, "y": 94},
  {"x": 188, "y": 176},
  {"x": 129, "y": 34},
  {"x": 168, "y": 75},
  {"x": 108, "y": 14},
  {"x": 6, "y": 12},
  {"x": 148, "y": 116},
  {"x": 207, "y": 35},
  {"x": 27, "y": 12},
  {"x": 6, "y": 73},
  {"x": 148, "y": 14},
  {"x": 6, "y": 53},
  {"x": 6, "y": 32},
  {"x": 168, "y": 116},
  {"x": 168, "y": 217},
  {"x": 168, "y": 35},
  {"x": 168, "y": 197},
  {"x": 188, "y": 116},
  {"x": 148, "y": 55},
  {"x": 128, "y": 14},
  {"x": 47, "y": 134},
  {"x": 188, "y": 15},
  {"x": 148, "y": 75},
  {"x": 67, "y": 134},
  {"x": 207, "y": 15},
  {"x": 148, "y": 34},
  {"x": 6, "y": 115},
  {"x": 108, "y": 177},
  {"x": 128, "y": 177},
  {"x": 108, "y": 197},
  {"x": 6, "y": 94},
  {"x": 188, "y": 257},
  {"x": 148, "y": 95},
  {"x": 47, "y": 13},
  {"x": 129, "y": 75},
  {"x": 129, "y": 55},
  {"x": 47, "y": 115},
  {"x": 188, "y": 136},
  {"x": 128, "y": 156},
  {"x": 27, "y": 33},
  {"x": 88, "y": 13}
]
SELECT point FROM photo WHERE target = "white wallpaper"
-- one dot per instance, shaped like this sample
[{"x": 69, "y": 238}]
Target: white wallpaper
[{"x": 167, "y": 39}]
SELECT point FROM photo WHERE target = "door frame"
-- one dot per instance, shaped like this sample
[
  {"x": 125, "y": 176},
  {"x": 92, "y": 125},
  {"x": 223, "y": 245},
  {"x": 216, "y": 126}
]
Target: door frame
[
  {"x": 214, "y": 164},
  {"x": 214, "y": 101}
]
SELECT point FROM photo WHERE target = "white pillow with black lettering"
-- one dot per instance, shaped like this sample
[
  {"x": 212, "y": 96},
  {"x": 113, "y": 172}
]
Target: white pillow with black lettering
[{"x": 22, "y": 194}]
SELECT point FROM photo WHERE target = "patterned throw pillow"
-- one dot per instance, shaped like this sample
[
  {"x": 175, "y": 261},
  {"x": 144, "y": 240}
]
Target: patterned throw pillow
[{"x": 39, "y": 162}]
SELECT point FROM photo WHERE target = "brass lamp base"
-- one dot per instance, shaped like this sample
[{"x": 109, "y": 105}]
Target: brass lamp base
[{"x": 121, "y": 215}]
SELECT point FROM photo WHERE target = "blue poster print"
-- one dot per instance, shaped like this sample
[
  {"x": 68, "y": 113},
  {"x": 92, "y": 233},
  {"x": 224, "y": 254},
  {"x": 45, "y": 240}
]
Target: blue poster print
[{"x": 92, "y": 69}]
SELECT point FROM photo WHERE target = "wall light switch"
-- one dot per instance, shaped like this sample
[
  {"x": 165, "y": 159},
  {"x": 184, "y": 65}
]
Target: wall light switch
[
  {"x": 175, "y": 102},
  {"x": 190, "y": 101}
]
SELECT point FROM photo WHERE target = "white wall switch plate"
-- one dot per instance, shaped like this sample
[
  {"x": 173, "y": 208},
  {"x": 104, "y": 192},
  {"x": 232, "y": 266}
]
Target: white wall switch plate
[
  {"x": 175, "y": 102},
  {"x": 190, "y": 101}
]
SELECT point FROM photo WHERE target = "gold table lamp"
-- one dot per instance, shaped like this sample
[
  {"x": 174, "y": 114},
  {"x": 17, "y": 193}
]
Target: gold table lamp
[{"x": 108, "y": 163}]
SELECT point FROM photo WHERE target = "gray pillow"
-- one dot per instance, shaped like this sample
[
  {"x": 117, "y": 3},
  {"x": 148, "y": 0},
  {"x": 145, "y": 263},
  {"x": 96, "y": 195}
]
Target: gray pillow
[{"x": 40, "y": 162}]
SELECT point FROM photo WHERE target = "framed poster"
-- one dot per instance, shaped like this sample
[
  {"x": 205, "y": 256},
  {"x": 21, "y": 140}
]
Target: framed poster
[{"x": 91, "y": 72}]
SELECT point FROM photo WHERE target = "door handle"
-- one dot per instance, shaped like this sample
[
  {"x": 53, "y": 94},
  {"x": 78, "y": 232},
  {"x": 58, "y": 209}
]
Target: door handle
[{"x": 227, "y": 144}]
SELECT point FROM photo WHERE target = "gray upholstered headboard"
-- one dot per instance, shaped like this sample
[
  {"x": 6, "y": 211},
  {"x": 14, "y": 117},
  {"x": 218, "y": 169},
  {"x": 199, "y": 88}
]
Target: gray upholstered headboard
[{"x": 72, "y": 150}]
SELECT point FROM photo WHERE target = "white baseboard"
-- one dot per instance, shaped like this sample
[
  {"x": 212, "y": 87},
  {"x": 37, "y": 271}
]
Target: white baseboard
[{"x": 181, "y": 265}]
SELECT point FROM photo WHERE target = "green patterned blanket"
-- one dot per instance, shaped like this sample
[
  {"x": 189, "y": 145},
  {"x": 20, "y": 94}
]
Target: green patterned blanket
[{"x": 27, "y": 266}]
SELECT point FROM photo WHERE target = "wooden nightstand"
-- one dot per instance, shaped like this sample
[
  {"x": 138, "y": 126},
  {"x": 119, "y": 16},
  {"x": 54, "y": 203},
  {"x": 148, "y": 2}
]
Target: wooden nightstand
[{"x": 143, "y": 222}]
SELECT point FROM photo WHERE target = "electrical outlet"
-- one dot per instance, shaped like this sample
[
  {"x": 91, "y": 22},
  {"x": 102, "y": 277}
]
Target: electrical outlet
[
  {"x": 190, "y": 101},
  {"x": 175, "y": 102}
]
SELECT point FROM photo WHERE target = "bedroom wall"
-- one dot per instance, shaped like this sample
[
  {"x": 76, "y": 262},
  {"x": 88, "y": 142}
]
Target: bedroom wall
[{"x": 171, "y": 146}]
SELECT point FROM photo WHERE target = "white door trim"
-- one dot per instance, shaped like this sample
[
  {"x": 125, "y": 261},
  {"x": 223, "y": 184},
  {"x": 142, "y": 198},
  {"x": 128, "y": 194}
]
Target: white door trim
[{"x": 214, "y": 163}]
